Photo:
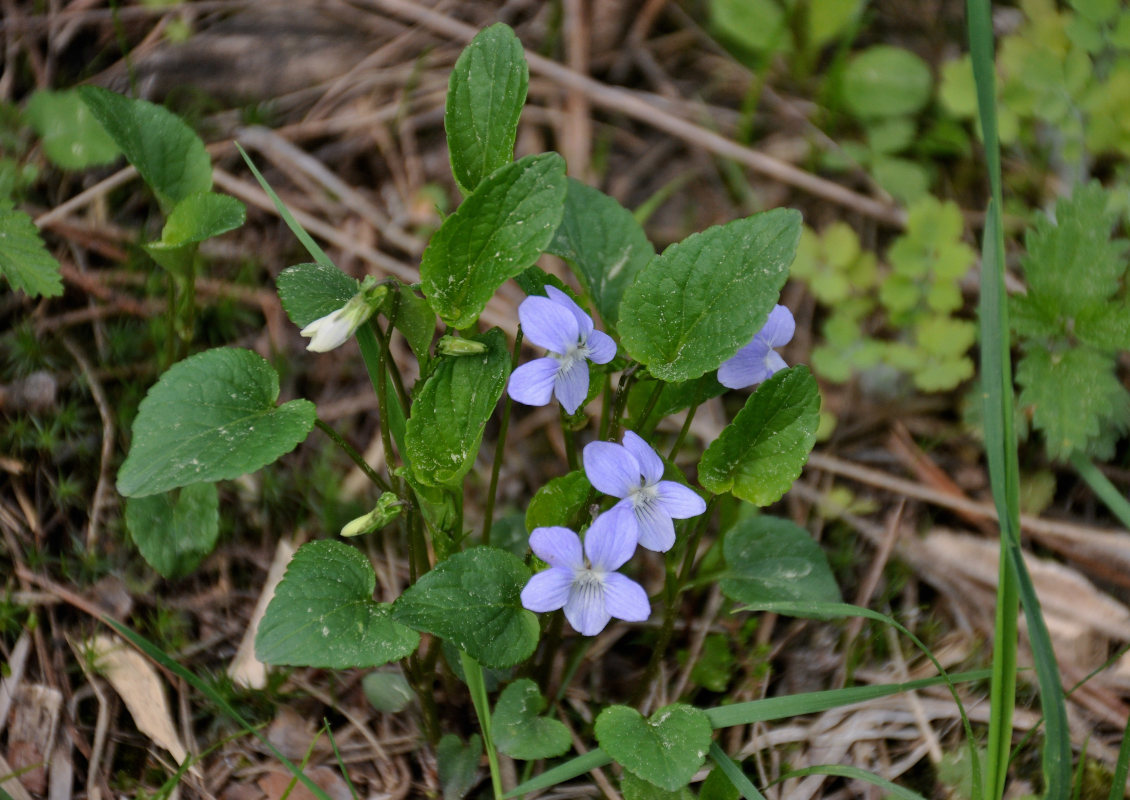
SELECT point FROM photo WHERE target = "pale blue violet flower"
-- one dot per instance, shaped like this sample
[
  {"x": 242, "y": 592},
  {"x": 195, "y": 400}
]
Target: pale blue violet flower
[
  {"x": 633, "y": 472},
  {"x": 587, "y": 586},
  {"x": 566, "y": 331},
  {"x": 758, "y": 360}
]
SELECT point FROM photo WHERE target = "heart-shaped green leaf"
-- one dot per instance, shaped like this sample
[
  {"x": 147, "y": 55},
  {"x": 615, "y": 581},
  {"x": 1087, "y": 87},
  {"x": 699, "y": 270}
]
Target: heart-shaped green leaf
[
  {"x": 725, "y": 281},
  {"x": 666, "y": 749},
  {"x": 771, "y": 559},
  {"x": 451, "y": 411},
  {"x": 498, "y": 231},
  {"x": 323, "y": 614},
  {"x": 174, "y": 530},
  {"x": 603, "y": 244},
  {"x": 211, "y": 417},
  {"x": 473, "y": 600},
  {"x": 311, "y": 291},
  {"x": 761, "y": 453},
  {"x": 485, "y": 95},
  {"x": 518, "y": 730}
]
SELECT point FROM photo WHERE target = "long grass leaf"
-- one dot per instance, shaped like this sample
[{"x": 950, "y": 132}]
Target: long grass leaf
[
  {"x": 845, "y": 771},
  {"x": 732, "y": 771},
  {"x": 1105, "y": 490},
  {"x": 1000, "y": 447},
  {"x": 770, "y": 708},
  {"x": 1118, "y": 781},
  {"x": 316, "y": 252}
]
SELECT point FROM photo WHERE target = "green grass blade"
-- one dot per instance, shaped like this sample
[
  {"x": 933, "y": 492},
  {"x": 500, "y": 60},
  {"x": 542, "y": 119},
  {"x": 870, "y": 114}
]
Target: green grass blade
[
  {"x": 158, "y": 655},
  {"x": 770, "y": 708},
  {"x": 843, "y": 771},
  {"x": 316, "y": 253},
  {"x": 1118, "y": 782},
  {"x": 1000, "y": 447},
  {"x": 734, "y": 773},
  {"x": 847, "y": 610},
  {"x": 1102, "y": 487},
  {"x": 593, "y": 759}
]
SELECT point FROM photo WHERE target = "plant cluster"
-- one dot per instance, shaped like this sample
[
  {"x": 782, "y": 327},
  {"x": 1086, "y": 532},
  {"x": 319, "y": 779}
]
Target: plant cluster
[{"x": 916, "y": 301}]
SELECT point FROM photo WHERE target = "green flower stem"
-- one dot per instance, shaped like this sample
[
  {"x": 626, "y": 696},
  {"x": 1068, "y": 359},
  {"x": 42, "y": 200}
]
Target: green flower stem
[
  {"x": 627, "y": 378},
  {"x": 420, "y": 678},
  {"x": 672, "y": 588},
  {"x": 473, "y": 672},
  {"x": 570, "y": 443},
  {"x": 683, "y": 433},
  {"x": 383, "y": 337},
  {"x": 641, "y": 424},
  {"x": 356, "y": 457},
  {"x": 1101, "y": 486},
  {"x": 500, "y": 446}
]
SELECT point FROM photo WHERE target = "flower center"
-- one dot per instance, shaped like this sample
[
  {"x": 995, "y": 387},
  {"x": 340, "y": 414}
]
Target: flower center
[
  {"x": 645, "y": 495},
  {"x": 577, "y": 352}
]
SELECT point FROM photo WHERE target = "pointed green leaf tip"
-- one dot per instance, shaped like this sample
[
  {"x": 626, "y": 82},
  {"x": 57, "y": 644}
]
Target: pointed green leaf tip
[
  {"x": 166, "y": 152},
  {"x": 24, "y": 261},
  {"x": 725, "y": 280},
  {"x": 499, "y": 230},
  {"x": 473, "y": 601},
  {"x": 666, "y": 749},
  {"x": 759, "y": 455},
  {"x": 211, "y": 417},
  {"x": 485, "y": 95},
  {"x": 323, "y": 614}
]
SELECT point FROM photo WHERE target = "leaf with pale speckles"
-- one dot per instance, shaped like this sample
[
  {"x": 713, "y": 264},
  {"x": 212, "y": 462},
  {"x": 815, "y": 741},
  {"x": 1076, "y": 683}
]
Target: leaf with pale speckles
[
  {"x": 665, "y": 749},
  {"x": 211, "y": 417},
  {"x": 759, "y": 455},
  {"x": 323, "y": 614},
  {"x": 449, "y": 414},
  {"x": 704, "y": 298},
  {"x": 473, "y": 600},
  {"x": 500, "y": 229}
]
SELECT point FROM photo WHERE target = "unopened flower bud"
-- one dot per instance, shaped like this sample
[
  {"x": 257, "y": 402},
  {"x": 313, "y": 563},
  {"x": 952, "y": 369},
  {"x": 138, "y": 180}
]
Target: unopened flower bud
[
  {"x": 335, "y": 329},
  {"x": 387, "y": 509},
  {"x": 455, "y": 346}
]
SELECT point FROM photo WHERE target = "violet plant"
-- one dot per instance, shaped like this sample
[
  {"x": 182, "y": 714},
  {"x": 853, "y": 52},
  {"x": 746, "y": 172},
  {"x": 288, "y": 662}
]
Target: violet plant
[{"x": 676, "y": 329}]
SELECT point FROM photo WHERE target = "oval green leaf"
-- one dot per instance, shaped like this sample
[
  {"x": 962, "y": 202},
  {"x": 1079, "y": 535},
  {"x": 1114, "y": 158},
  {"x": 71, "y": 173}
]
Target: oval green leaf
[
  {"x": 211, "y": 417},
  {"x": 173, "y": 531},
  {"x": 704, "y": 298},
  {"x": 770, "y": 559},
  {"x": 886, "y": 81},
  {"x": 485, "y": 95},
  {"x": 72, "y": 137},
  {"x": 473, "y": 600},
  {"x": 759, "y": 455},
  {"x": 498, "y": 231},
  {"x": 449, "y": 414},
  {"x": 323, "y": 614}
]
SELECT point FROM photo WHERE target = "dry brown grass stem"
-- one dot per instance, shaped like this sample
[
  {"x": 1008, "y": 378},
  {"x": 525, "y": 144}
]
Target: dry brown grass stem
[{"x": 624, "y": 101}]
